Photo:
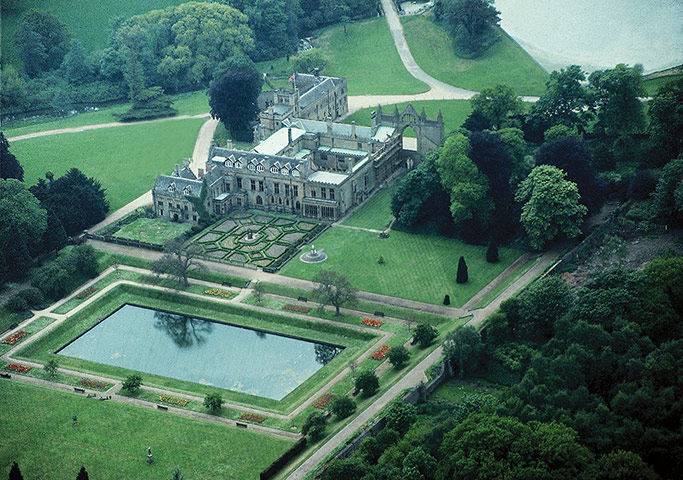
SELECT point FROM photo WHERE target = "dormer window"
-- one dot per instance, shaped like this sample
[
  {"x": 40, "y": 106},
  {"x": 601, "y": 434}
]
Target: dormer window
[
  {"x": 251, "y": 167},
  {"x": 186, "y": 191},
  {"x": 228, "y": 163},
  {"x": 238, "y": 164},
  {"x": 295, "y": 172},
  {"x": 284, "y": 171},
  {"x": 273, "y": 169},
  {"x": 171, "y": 188},
  {"x": 260, "y": 168}
]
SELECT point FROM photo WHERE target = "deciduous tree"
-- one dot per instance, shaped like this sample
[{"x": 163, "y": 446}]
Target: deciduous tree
[
  {"x": 343, "y": 406},
  {"x": 314, "y": 426},
  {"x": 666, "y": 123},
  {"x": 564, "y": 100},
  {"x": 620, "y": 112},
  {"x": 463, "y": 349},
  {"x": 132, "y": 383},
  {"x": 367, "y": 382},
  {"x": 401, "y": 416},
  {"x": 550, "y": 205},
  {"x": 498, "y": 105},
  {"x": 213, "y": 402},
  {"x": 177, "y": 260},
  {"x": 424, "y": 335},
  {"x": 42, "y": 40},
  {"x": 333, "y": 289},
  {"x": 472, "y": 24},
  {"x": 232, "y": 99},
  {"x": 398, "y": 356},
  {"x": 668, "y": 196}
]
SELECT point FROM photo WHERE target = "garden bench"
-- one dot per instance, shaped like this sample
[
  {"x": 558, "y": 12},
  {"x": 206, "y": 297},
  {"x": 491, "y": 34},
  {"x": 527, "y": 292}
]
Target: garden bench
[
  {"x": 5, "y": 375},
  {"x": 302, "y": 299},
  {"x": 162, "y": 407},
  {"x": 79, "y": 390},
  {"x": 241, "y": 425},
  {"x": 379, "y": 314}
]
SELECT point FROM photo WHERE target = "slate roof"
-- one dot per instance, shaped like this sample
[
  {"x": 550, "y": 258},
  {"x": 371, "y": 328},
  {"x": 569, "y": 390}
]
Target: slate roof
[
  {"x": 185, "y": 172},
  {"x": 338, "y": 129},
  {"x": 163, "y": 182},
  {"x": 219, "y": 156},
  {"x": 317, "y": 92}
]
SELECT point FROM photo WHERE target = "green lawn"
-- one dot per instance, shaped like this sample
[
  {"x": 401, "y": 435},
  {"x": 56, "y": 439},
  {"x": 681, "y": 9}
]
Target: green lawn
[
  {"x": 453, "y": 391},
  {"x": 192, "y": 103},
  {"x": 454, "y": 113},
  {"x": 125, "y": 160},
  {"x": 367, "y": 57},
  {"x": 376, "y": 212},
  {"x": 152, "y": 230},
  {"x": 87, "y": 20},
  {"x": 111, "y": 440},
  {"x": 418, "y": 267},
  {"x": 653, "y": 84},
  {"x": 504, "y": 62}
]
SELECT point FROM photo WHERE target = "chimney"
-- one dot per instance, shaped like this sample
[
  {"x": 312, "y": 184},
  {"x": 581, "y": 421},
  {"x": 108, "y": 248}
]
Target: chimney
[
  {"x": 176, "y": 170},
  {"x": 316, "y": 72},
  {"x": 353, "y": 130},
  {"x": 200, "y": 173},
  {"x": 229, "y": 144},
  {"x": 289, "y": 135}
]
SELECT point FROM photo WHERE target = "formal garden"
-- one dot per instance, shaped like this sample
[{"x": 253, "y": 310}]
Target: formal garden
[{"x": 256, "y": 238}]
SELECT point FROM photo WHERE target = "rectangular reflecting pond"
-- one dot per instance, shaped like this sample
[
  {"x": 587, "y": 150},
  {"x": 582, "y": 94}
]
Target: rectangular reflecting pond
[{"x": 201, "y": 351}]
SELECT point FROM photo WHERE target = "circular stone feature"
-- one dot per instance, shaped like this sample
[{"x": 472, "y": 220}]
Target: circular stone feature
[
  {"x": 250, "y": 237},
  {"x": 313, "y": 256}
]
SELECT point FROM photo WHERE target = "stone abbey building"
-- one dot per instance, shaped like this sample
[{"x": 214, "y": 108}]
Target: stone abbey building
[{"x": 308, "y": 167}]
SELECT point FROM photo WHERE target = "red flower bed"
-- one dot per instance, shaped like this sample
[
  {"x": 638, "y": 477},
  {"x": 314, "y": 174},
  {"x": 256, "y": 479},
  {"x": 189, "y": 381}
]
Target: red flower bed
[
  {"x": 14, "y": 338},
  {"x": 253, "y": 418},
  {"x": 381, "y": 352},
  {"x": 324, "y": 401},
  {"x": 86, "y": 293},
  {"x": 296, "y": 308},
  {"x": 372, "y": 322},
  {"x": 13, "y": 367},
  {"x": 86, "y": 382}
]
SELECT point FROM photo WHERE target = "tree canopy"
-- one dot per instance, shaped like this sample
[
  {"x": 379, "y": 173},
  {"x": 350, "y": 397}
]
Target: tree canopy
[
  {"x": 233, "y": 100},
  {"x": 617, "y": 90},
  {"x": 666, "y": 122},
  {"x": 564, "y": 100},
  {"x": 550, "y": 205},
  {"x": 77, "y": 201},
  {"x": 572, "y": 157},
  {"x": 9, "y": 165},
  {"x": 42, "y": 40},
  {"x": 498, "y": 105},
  {"x": 333, "y": 289},
  {"x": 179, "y": 46},
  {"x": 471, "y": 22},
  {"x": 22, "y": 223}
]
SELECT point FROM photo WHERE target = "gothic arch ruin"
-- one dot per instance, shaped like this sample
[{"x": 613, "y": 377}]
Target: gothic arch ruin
[{"x": 429, "y": 131}]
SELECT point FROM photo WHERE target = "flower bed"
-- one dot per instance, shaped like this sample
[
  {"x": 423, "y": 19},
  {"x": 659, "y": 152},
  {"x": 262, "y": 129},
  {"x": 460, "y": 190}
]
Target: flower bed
[
  {"x": 323, "y": 402},
  {"x": 13, "y": 367},
  {"x": 14, "y": 338},
  {"x": 372, "y": 322},
  {"x": 296, "y": 308},
  {"x": 86, "y": 382},
  {"x": 86, "y": 293},
  {"x": 180, "y": 402},
  {"x": 381, "y": 352},
  {"x": 218, "y": 292},
  {"x": 253, "y": 418}
]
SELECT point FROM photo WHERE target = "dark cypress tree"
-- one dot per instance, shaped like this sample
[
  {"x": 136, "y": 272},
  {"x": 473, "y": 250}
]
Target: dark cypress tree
[
  {"x": 82, "y": 475},
  {"x": 461, "y": 276},
  {"x": 9, "y": 165},
  {"x": 15, "y": 473},
  {"x": 492, "y": 252},
  {"x": 447, "y": 300}
]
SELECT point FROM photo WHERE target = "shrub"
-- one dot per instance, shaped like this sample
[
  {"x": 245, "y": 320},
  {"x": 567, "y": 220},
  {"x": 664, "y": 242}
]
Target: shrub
[
  {"x": 367, "y": 382},
  {"x": 399, "y": 356},
  {"x": 51, "y": 368},
  {"x": 33, "y": 296},
  {"x": 380, "y": 259},
  {"x": 53, "y": 280},
  {"x": 492, "y": 252},
  {"x": 132, "y": 383},
  {"x": 447, "y": 300},
  {"x": 213, "y": 402},
  {"x": 642, "y": 185},
  {"x": 400, "y": 416},
  {"x": 314, "y": 426},
  {"x": 16, "y": 303},
  {"x": 461, "y": 276},
  {"x": 424, "y": 335},
  {"x": 342, "y": 407}
]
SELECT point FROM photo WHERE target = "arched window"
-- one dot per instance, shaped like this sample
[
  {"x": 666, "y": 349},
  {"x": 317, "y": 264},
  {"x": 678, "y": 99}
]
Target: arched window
[
  {"x": 298, "y": 206},
  {"x": 259, "y": 200},
  {"x": 279, "y": 200},
  {"x": 272, "y": 200}
]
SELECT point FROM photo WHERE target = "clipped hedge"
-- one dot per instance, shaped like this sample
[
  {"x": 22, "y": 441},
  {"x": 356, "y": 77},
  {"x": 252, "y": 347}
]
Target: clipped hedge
[{"x": 277, "y": 465}]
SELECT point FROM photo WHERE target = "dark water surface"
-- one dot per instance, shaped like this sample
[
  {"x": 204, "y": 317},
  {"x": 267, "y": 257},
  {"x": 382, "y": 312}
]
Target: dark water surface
[{"x": 201, "y": 351}]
